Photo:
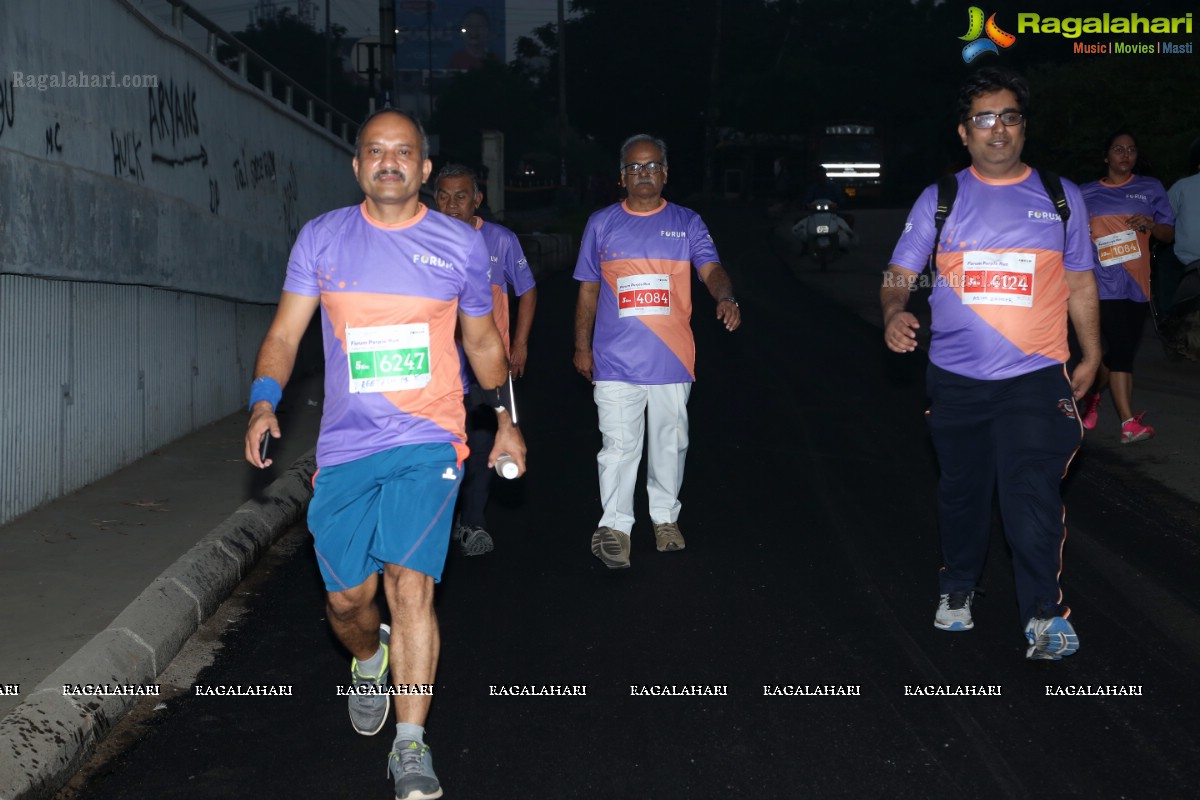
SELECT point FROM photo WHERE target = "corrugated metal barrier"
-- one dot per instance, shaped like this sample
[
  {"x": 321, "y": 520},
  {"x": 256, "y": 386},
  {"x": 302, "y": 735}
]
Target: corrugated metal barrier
[{"x": 103, "y": 374}]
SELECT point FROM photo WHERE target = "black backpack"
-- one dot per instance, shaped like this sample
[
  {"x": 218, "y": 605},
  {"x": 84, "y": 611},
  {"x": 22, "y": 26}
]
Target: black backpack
[{"x": 948, "y": 190}]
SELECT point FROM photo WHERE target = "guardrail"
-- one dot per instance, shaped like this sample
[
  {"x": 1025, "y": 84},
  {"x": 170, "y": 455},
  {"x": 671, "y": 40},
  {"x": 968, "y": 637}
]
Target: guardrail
[
  {"x": 548, "y": 252},
  {"x": 272, "y": 81}
]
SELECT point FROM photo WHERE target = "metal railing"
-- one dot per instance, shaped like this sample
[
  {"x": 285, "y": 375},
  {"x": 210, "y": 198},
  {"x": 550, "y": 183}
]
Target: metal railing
[{"x": 273, "y": 82}]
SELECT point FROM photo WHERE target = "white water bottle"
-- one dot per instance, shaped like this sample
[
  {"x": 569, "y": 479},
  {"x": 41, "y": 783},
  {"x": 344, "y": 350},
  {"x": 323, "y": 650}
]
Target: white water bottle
[{"x": 506, "y": 466}]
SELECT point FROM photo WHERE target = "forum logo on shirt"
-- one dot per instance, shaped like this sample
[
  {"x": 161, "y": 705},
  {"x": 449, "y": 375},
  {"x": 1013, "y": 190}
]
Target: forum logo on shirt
[
  {"x": 976, "y": 28},
  {"x": 431, "y": 260},
  {"x": 1043, "y": 216}
]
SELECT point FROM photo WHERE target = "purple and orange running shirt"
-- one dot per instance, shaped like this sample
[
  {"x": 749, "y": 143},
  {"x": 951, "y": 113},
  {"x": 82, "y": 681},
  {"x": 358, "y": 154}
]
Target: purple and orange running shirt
[
  {"x": 509, "y": 268},
  {"x": 389, "y": 301},
  {"x": 1121, "y": 254},
  {"x": 642, "y": 261},
  {"x": 1000, "y": 301}
]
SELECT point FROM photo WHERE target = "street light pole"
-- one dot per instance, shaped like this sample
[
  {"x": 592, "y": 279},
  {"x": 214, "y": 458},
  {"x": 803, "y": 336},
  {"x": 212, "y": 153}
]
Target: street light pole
[
  {"x": 429, "y": 46},
  {"x": 562, "y": 96},
  {"x": 328, "y": 57}
]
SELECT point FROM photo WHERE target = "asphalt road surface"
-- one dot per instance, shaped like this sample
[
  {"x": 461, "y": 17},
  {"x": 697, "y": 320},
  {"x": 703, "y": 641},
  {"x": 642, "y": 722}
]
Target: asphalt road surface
[{"x": 811, "y": 561}]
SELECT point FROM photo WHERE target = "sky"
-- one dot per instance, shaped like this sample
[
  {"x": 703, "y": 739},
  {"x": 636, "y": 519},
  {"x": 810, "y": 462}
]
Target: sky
[{"x": 359, "y": 17}]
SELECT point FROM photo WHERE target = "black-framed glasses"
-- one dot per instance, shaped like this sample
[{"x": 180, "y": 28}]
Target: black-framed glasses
[
  {"x": 649, "y": 168},
  {"x": 1010, "y": 119}
]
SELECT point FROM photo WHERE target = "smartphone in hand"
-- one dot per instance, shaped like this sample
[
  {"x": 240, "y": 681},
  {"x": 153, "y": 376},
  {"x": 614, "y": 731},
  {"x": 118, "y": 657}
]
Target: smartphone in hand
[{"x": 266, "y": 441}]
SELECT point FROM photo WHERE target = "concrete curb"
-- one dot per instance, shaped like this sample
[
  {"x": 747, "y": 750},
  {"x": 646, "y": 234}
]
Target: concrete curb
[{"x": 50, "y": 734}]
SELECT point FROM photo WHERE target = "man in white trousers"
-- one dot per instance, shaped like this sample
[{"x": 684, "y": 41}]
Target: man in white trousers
[{"x": 633, "y": 341}]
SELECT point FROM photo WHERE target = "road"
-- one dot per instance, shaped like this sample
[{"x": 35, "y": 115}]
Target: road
[{"x": 811, "y": 561}]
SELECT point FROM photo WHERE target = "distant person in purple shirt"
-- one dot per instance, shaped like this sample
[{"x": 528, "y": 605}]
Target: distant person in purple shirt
[
  {"x": 1126, "y": 209},
  {"x": 633, "y": 341},
  {"x": 458, "y": 195}
]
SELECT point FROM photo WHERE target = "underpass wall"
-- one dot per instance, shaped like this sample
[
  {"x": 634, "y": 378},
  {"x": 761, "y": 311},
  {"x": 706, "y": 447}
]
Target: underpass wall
[{"x": 149, "y": 197}]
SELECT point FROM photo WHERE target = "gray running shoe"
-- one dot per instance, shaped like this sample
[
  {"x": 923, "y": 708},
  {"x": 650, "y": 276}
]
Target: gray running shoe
[
  {"x": 667, "y": 537},
  {"x": 411, "y": 766},
  {"x": 611, "y": 547},
  {"x": 368, "y": 712},
  {"x": 472, "y": 540},
  {"x": 954, "y": 612}
]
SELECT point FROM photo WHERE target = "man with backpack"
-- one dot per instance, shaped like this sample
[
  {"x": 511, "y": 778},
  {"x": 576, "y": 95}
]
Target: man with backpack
[{"x": 1012, "y": 263}]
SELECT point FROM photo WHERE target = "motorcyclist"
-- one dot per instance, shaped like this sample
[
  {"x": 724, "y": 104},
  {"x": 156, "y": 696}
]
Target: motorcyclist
[{"x": 823, "y": 216}]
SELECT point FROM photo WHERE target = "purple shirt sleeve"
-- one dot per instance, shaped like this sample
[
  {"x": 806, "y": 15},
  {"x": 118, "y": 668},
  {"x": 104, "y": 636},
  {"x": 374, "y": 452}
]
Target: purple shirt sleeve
[
  {"x": 703, "y": 249},
  {"x": 916, "y": 240},
  {"x": 587, "y": 267},
  {"x": 1078, "y": 252},
  {"x": 301, "y": 271},
  {"x": 475, "y": 298}
]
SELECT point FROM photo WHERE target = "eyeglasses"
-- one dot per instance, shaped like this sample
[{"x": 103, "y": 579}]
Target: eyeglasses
[
  {"x": 649, "y": 168},
  {"x": 1122, "y": 150},
  {"x": 1010, "y": 119}
]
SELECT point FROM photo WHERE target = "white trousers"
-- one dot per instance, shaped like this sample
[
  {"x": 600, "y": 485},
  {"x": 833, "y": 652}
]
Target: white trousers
[{"x": 624, "y": 409}]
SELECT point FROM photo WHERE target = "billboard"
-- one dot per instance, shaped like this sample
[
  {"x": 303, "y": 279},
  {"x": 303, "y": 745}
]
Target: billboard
[{"x": 449, "y": 34}]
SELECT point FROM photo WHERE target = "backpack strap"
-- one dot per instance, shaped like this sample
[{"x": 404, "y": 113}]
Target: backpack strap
[
  {"x": 1053, "y": 186},
  {"x": 947, "y": 190}
]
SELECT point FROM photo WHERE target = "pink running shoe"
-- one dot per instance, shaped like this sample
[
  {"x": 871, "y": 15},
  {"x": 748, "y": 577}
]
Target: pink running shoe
[
  {"x": 1090, "y": 410},
  {"x": 1132, "y": 429}
]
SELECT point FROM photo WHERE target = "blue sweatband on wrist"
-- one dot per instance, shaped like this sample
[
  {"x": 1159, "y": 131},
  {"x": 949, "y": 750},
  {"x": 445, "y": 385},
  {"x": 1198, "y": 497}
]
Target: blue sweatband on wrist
[{"x": 265, "y": 389}]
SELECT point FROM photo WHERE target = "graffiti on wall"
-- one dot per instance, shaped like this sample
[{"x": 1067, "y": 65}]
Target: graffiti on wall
[
  {"x": 175, "y": 125},
  {"x": 54, "y": 139},
  {"x": 127, "y": 155},
  {"x": 173, "y": 114},
  {"x": 291, "y": 204},
  {"x": 258, "y": 168},
  {"x": 7, "y": 112}
]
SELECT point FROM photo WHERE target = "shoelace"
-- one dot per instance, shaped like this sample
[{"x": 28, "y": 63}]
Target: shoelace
[
  {"x": 957, "y": 600},
  {"x": 411, "y": 758}
]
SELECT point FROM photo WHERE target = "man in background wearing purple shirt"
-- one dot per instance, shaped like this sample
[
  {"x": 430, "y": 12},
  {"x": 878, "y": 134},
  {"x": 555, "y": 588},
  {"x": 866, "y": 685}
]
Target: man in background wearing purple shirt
[{"x": 633, "y": 341}]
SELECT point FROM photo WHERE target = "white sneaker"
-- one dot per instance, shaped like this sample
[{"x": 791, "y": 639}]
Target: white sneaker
[{"x": 954, "y": 612}]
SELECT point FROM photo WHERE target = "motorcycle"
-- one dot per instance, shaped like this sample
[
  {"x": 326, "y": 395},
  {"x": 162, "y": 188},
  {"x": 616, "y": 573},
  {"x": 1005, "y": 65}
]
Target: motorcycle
[{"x": 823, "y": 232}]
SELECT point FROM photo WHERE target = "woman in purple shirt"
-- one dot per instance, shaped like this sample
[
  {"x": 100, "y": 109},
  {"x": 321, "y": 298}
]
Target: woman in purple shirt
[{"x": 1125, "y": 210}]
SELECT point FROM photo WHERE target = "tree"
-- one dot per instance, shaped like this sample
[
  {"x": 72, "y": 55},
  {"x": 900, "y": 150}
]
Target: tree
[{"x": 304, "y": 55}]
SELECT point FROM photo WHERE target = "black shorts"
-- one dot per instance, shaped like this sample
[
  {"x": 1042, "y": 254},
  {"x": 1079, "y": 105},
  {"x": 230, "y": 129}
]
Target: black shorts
[{"x": 1121, "y": 324}]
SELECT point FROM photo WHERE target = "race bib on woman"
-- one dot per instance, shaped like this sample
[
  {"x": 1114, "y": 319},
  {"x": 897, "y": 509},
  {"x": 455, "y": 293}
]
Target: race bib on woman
[{"x": 1117, "y": 248}]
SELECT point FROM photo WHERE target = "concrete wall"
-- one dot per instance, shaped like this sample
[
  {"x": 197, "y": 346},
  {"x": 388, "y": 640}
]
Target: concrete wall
[{"x": 144, "y": 233}]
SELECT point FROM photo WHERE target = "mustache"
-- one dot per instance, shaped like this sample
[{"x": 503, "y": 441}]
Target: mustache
[{"x": 383, "y": 172}]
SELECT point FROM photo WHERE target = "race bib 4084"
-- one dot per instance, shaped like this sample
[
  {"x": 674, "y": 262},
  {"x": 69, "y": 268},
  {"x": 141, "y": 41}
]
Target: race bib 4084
[{"x": 643, "y": 295}]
